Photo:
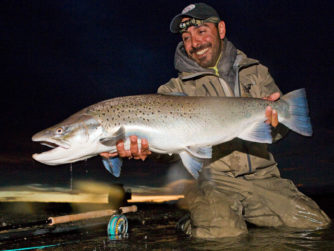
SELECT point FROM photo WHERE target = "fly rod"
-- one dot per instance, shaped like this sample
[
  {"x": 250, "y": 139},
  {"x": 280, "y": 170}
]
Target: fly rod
[{"x": 72, "y": 217}]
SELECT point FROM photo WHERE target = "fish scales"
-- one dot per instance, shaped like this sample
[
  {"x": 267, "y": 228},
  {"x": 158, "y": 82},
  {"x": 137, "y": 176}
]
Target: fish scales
[
  {"x": 188, "y": 126},
  {"x": 169, "y": 113}
]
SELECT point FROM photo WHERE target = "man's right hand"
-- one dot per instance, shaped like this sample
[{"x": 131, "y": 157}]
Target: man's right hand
[
  {"x": 133, "y": 152},
  {"x": 272, "y": 117}
]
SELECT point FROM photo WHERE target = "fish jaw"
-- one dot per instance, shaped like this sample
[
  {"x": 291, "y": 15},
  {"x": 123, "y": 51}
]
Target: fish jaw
[
  {"x": 77, "y": 151},
  {"x": 59, "y": 155},
  {"x": 79, "y": 140}
]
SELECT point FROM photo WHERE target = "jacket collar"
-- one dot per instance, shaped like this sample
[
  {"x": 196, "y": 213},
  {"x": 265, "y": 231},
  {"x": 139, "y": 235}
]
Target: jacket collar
[{"x": 189, "y": 69}]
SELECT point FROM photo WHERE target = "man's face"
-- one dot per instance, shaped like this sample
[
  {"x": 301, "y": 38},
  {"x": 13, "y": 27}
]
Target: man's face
[{"x": 203, "y": 43}]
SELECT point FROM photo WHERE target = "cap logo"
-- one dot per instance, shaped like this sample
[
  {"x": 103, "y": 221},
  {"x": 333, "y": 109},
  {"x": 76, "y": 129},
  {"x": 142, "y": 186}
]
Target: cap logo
[{"x": 188, "y": 8}]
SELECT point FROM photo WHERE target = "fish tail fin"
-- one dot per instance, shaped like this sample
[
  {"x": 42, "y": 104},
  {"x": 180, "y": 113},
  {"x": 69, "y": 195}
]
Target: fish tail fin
[{"x": 298, "y": 118}]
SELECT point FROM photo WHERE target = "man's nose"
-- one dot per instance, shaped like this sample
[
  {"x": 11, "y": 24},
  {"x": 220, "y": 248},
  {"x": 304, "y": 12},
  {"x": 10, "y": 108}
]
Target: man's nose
[{"x": 195, "y": 42}]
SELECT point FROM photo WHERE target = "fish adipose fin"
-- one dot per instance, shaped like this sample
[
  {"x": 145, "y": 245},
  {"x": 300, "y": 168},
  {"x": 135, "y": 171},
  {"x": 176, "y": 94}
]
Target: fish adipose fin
[
  {"x": 257, "y": 132},
  {"x": 117, "y": 136},
  {"x": 192, "y": 164},
  {"x": 298, "y": 119},
  {"x": 200, "y": 152},
  {"x": 113, "y": 165}
]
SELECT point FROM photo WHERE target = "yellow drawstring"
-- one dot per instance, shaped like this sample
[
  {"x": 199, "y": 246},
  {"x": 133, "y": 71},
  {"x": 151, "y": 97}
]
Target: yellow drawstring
[{"x": 215, "y": 68}]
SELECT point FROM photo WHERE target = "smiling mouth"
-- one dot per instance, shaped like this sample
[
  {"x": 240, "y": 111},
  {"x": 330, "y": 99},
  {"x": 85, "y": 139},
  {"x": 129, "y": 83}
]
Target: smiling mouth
[{"x": 201, "y": 52}]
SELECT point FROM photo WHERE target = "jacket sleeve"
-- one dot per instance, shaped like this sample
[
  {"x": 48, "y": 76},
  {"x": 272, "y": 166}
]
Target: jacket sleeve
[
  {"x": 259, "y": 81},
  {"x": 173, "y": 85}
]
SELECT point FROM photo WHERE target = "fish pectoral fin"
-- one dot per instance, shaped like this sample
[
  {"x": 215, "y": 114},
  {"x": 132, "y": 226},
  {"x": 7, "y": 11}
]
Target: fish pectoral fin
[
  {"x": 200, "y": 152},
  {"x": 191, "y": 163},
  {"x": 113, "y": 165},
  {"x": 113, "y": 139},
  {"x": 258, "y": 132}
]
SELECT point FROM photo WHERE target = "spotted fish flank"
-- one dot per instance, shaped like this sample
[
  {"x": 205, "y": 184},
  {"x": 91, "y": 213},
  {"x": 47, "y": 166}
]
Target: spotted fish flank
[{"x": 188, "y": 126}]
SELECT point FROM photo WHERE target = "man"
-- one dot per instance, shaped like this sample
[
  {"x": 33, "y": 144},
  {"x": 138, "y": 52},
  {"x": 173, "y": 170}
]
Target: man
[{"x": 242, "y": 182}]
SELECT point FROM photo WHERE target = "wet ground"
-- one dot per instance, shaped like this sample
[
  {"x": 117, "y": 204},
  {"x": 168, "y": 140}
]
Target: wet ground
[{"x": 152, "y": 227}]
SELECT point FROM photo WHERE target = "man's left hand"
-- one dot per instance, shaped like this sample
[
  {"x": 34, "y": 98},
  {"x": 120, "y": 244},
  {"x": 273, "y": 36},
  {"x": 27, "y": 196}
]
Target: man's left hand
[{"x": 272, "y": 117}]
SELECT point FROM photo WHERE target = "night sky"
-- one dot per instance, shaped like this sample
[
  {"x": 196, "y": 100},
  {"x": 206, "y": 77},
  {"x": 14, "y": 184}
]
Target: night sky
[{"x": 58, "y": 57}]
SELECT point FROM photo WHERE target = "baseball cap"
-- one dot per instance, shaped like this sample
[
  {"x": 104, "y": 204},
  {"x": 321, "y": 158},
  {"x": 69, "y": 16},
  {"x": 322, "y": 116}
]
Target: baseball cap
[{"x": 199, "y": 11}]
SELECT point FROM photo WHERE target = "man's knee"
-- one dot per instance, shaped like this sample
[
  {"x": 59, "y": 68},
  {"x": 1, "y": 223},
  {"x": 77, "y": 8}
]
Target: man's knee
[
  {"x": 281, "y": 198},
  {"x": 212, "y": 231},
  {"x": 214, "y": 215},
  {"x": 307, "y": 215}
]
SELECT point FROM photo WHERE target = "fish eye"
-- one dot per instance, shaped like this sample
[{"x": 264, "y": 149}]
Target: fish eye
[{"x": 59, "y": 130}]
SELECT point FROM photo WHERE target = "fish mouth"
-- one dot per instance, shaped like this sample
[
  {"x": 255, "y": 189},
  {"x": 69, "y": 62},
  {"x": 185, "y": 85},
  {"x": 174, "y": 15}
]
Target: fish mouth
[
  {"x": 52, "y": 143},
  {"x": 50, "y": 156},
  {"x": 49, "y": 144}
]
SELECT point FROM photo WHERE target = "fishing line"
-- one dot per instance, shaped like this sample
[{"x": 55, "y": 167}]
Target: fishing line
[
  {"x": 36, "y": 247},
  {"x": 42, "y": 246}
]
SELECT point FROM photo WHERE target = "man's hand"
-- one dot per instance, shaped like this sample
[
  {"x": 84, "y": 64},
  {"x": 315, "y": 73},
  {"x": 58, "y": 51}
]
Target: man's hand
[
  {"x": 133, "y": 152},
  {"x": 272, "y": 117}
]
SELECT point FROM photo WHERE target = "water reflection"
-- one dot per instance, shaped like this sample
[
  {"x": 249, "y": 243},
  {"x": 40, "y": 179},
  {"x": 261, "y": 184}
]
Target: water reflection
[
  {"x": 270, "y": 239},
  {"x": 153, "y": 228}
]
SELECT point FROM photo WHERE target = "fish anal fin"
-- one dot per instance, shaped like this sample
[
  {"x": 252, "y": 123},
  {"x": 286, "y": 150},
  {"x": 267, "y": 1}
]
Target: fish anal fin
[
  {"x": 200, "y": 152},
  {"x": 191, "y": 163},
  {"x": 258, "y": 132}
]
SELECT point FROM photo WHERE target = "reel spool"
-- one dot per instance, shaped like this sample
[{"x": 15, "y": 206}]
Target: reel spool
[{"x": 117, "y": 227}]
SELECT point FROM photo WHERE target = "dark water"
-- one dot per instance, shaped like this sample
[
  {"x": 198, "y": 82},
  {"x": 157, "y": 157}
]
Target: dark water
[{"x": 152, "y": 227}]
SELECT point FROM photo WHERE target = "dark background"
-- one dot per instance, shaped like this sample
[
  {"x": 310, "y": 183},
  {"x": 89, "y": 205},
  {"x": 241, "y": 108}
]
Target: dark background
[{"x": 58, "y": 57}]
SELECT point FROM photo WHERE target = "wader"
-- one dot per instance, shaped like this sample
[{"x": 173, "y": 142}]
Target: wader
[
  {"x": 220, "y": 203},
  {"x": 242, "y": 182}
]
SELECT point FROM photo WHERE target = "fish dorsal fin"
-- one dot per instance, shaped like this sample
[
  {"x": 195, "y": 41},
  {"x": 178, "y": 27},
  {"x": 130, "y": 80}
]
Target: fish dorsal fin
[
  {"x": 112, "y": 140},
  {"x": 258, "y": 132},
  {"x": 200, "y": 152},
  {"x": 191, "y": 163},
  {"x": 113, "y": 165}
]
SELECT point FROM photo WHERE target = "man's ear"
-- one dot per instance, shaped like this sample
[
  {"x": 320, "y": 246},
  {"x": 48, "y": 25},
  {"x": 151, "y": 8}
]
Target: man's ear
[{"x": 221, "y": 29}]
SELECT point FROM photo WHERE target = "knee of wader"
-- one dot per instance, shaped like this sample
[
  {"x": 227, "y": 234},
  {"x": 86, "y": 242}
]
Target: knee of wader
[
  {"x": 307, "y": 215},
  {"x": 212, "y": 216},
  {"x": 210, "y": 232}
]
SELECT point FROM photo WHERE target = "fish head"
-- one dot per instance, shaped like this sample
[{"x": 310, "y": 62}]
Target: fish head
[{"x": 74, "y": 139}]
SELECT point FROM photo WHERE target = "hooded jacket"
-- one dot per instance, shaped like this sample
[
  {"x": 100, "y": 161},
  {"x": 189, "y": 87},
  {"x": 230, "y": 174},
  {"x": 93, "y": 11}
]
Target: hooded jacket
[{"x": 235, "y": 75}]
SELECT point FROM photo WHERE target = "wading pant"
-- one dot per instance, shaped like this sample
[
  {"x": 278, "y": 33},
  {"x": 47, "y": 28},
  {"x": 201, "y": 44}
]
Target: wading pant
[{"x": 220, "y": 204}]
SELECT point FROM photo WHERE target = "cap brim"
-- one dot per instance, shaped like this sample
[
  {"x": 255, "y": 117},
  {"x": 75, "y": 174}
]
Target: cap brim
[{"x": 174, "y": 24}]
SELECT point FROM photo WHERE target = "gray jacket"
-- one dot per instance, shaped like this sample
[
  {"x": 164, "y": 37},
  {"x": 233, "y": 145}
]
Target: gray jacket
[{"x": 239, "y": 76}]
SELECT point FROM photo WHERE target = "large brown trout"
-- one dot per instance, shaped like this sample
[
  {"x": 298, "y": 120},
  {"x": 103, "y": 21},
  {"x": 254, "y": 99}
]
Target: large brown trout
[{"x": 188, "y": 126}]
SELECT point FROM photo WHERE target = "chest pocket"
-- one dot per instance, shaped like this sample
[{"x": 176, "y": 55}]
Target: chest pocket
[
  {"x": 249, "y": 80},
  {"x": 209, "y": 86}
]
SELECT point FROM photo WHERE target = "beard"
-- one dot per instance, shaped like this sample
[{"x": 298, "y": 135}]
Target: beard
[{"x": 210, "y": 59}]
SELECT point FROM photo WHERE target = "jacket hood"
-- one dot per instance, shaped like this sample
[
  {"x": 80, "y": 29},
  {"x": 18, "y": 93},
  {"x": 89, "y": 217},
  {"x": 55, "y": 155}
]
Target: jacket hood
[
  {"x": 183, "y": 63},
  {"x": 189, "y": 68}
]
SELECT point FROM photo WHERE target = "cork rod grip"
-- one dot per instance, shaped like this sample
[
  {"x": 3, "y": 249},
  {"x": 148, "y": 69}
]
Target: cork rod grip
[
  {"x": 130, "y": 209},
  {"x": 89, "y": 215}
]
